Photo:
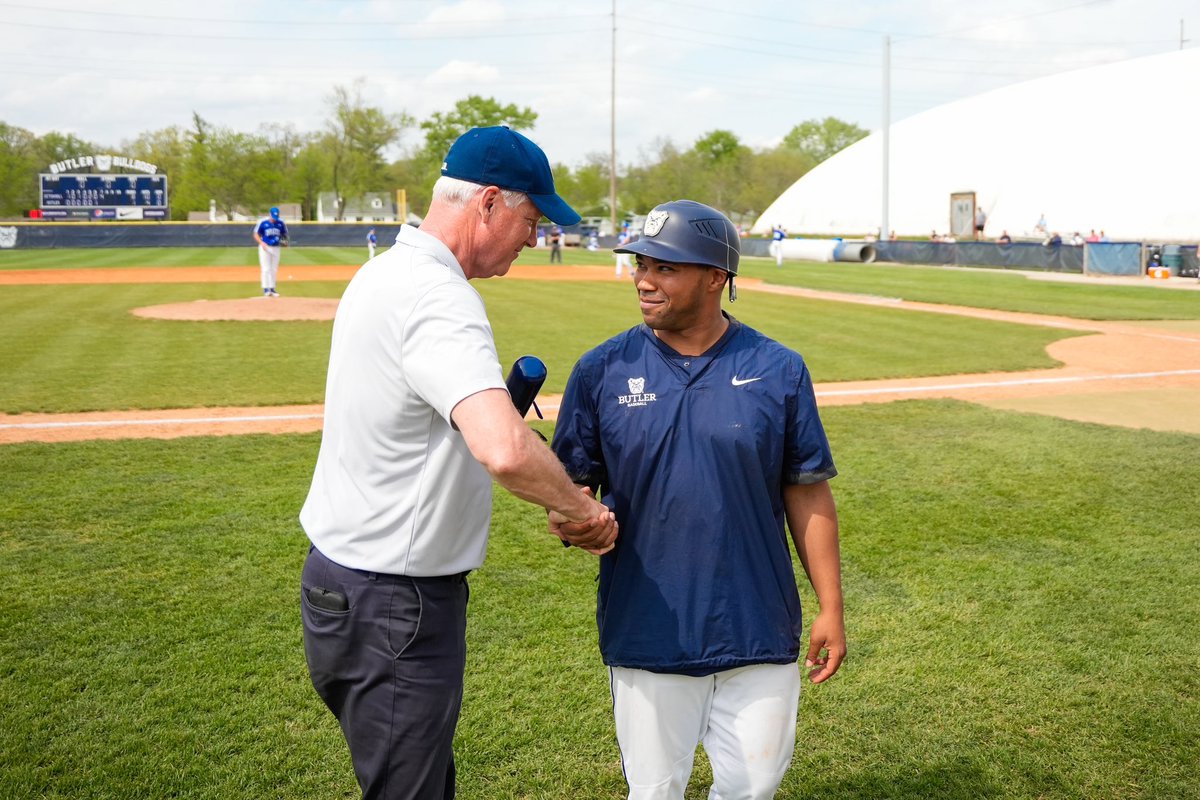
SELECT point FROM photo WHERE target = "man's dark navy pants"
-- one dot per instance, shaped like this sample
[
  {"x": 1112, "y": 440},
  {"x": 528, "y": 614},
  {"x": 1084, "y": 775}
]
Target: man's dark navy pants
[{"x": 389, "y": 661}]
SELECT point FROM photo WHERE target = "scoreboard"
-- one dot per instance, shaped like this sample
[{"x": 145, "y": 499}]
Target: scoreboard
[{"x": 117, "y": 196}]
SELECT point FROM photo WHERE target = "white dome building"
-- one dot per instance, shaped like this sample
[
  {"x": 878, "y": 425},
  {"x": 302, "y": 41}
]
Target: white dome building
[{"x": 1112, "y": 148}]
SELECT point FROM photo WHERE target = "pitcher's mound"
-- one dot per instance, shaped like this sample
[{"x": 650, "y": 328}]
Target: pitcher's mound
[{"x": 272, "y": 309}]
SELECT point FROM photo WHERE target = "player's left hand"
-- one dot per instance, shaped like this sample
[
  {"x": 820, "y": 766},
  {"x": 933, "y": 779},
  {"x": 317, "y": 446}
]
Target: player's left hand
[{"x": 827, "y": 646}]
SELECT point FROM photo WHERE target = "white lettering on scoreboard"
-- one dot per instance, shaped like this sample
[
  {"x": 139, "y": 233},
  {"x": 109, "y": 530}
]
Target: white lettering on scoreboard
[{"x": 102, "y": 163}]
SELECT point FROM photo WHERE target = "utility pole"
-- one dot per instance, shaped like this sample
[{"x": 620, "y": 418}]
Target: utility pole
[
  {"x": 612, "y": 152},
  {"x": 884, "y": 228}
]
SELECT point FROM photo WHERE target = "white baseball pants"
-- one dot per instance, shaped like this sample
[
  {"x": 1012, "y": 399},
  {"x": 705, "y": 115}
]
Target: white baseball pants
[
  {"x": 745, "y": 717},
  {"x": 776, "y": 251},
  {"x": 624, "y": 263},
  {"x": 268, "y": 262}
]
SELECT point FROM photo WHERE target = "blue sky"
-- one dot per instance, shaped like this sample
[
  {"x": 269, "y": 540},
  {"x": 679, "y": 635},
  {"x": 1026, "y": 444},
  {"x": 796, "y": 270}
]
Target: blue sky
[{"x": 107, "y": 72}]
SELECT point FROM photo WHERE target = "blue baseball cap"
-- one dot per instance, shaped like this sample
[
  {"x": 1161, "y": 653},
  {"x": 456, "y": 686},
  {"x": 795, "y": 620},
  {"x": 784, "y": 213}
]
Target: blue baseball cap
[
  {"x": 500, "y": 156},
  {"x": 275, "y": 212}
]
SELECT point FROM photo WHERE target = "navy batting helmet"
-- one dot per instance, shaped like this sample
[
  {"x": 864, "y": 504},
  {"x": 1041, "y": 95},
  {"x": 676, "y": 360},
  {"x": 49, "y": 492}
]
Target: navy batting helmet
[{"x": 687, "y": 232}]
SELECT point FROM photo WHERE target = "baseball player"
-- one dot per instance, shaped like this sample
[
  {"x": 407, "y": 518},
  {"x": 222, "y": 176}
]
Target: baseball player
[
  {"x": 271, "y": 233},
  {"x": 702, "y": 435},
  {"x": 776, "y": 249},
  {"x": 372, "y": 240},
  {"x": 624, "y": 259}
]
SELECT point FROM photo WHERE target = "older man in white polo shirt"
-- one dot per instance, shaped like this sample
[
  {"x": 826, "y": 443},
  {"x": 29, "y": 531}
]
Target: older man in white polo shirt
[{"x": 417, "y": 425}]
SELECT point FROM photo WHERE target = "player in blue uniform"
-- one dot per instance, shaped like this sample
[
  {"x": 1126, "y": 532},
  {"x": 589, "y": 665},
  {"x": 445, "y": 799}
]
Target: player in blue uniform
[
  {"x": 702, "y": 434},
  {"x": 778, "y": 234},
  {"x": 624, "y": 259},
  {"x": 372, "y": 240},
  {"x": 271, "y": 233}
]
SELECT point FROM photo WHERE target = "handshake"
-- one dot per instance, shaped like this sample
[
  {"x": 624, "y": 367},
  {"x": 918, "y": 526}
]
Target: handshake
[{"x": 597, "y": 535}]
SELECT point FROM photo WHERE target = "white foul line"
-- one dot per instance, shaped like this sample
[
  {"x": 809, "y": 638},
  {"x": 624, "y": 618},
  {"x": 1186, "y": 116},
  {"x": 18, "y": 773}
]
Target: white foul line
[
  {"x": 990, "y": 384},
  {"x": 111, "y": 423}
]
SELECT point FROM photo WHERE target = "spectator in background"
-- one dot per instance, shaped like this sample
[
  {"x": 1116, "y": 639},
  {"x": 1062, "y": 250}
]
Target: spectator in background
[
  {"x": 1053, "y": 240},
  {"x": 980, "y": 222},
  {"x": 1041, "y": 225},
  {"x": 1004, "y": 238},
  {"x": 1077, "y": 238},
  {"x": 1093, "y": 236},
  {"x": 1103, "y": 236}
]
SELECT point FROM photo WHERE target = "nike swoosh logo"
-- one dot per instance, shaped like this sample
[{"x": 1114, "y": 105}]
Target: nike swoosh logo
[{"x": 736, "y": 382}]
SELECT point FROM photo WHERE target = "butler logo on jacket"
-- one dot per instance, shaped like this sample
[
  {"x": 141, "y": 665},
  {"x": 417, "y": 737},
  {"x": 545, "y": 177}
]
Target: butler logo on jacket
[{"x": 637, "y": 395}]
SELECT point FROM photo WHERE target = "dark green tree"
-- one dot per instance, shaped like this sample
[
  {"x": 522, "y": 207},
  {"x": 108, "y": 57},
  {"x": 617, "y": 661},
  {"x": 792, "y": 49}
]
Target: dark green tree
[
  {"x": 20, "y": 163},
  {"x": 170, "y": 149},
  {"x": 820, "y": 139},
  {"x": 441, "y": 129},
  {"x": 722, "y": 159},
  {"x": 55, "y": 146},
  {"x": 356, "y": 136},
  {"x": 586, "y": 186}
]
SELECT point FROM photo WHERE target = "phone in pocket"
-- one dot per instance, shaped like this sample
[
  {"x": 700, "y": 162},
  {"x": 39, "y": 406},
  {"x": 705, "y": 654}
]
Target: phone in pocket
[{"x": 326, "y": 599}]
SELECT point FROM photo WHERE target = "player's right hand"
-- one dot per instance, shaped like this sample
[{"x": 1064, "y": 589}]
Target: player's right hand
[{"x": 597, "y": 534}]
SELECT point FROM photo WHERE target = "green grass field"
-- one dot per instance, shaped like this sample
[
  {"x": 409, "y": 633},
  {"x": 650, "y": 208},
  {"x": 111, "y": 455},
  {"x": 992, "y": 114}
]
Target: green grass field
[
  {"x": 78, "y": 348},
  {"x": 1022, "y": 591},
  {"x": 1005, "y": 291},
  {"x": 998, "y": 289},
  {"x": 1021, "y": 600}
]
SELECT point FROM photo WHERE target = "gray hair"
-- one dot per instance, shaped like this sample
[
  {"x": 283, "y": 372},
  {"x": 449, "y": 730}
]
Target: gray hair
[{"x": 456, "y": 193}]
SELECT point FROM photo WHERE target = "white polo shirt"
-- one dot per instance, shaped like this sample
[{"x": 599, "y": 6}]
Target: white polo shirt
[{"x": 395, "y": 488}]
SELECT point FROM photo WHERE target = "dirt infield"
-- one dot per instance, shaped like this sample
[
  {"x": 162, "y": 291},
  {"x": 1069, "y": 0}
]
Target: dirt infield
[{"x": 1140, "y": 375}]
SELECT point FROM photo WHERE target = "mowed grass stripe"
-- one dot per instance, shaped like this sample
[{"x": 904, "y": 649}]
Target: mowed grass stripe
[
  {"x": 78, "y": 348},
  {"x": 998, "y": 289}
]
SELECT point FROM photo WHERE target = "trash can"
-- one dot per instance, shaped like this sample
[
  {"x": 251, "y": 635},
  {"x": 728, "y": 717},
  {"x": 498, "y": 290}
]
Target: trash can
[{"x": 1172, "y": 258}]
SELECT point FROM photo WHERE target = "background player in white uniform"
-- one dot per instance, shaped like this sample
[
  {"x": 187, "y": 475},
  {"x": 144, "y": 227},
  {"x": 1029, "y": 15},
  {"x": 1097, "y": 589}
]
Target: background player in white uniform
[
  {"x": 418, "y": 423},
  {"x": 271, "y": 233},
  {"x": 703, "y": 436},
  {"x": 624, "y": 260},
  {"x": 372, "y": 240},
  {"x": 778, "y": 234}
]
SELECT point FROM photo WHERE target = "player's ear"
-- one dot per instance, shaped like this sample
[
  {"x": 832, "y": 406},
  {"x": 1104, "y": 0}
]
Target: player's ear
[{"x": 717, "y": 279}]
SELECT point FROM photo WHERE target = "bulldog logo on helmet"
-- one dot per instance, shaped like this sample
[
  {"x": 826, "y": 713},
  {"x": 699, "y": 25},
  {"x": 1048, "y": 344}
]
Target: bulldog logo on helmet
[{"x": 654, "y": 222}]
